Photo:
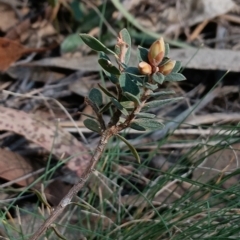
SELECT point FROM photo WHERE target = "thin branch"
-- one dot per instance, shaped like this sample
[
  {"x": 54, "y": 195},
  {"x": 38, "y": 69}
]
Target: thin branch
[
  {"x": 112, "y": 130},
  {"x": 77, "y": 187}
]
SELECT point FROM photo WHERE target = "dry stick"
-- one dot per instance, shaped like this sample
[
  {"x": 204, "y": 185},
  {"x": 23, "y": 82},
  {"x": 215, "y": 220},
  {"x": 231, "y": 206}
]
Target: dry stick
[
  {"x": 106, "y": 134},
  {"x": 74, "y": 190}
]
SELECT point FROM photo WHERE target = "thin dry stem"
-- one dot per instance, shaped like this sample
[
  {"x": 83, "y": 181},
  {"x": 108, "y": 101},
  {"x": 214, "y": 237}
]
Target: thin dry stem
[
  {"x": 112, "y": 129},
  {"x": 123, "y": 46},
  {"x": 76, "y": 188}
]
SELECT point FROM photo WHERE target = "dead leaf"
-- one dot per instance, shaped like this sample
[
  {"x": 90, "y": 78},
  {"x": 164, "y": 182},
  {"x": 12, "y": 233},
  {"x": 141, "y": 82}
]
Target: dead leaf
[
  {"x": 193, "y": 12},
  {"x": 11, "y": 51},
  {"x": 18, "y": 30},
  {"x": 212, "y": 118},
  {"x": 37, "y": 74},
  {"x": 55, "y": 191},
  {"x": 47, "y": 135},
  {"x": 23, "y": 29},
  {"x": 220, "y": 163},
  {"x": 8, "y": 17},
  {"x": 208, "y": 9},
  {"x": 86, "y": 64},
  {"x": 82, "y": 86},
  {"x": 211, "y": 59},
  {"x": 13, "y": 166}
]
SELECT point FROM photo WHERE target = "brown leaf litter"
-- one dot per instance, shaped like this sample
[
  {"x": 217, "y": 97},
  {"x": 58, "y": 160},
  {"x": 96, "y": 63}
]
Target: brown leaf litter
[
  {"x": 47, "y": 135},
  {"x": 11, "y": 51},
  {"x": 13, "y": 166}
]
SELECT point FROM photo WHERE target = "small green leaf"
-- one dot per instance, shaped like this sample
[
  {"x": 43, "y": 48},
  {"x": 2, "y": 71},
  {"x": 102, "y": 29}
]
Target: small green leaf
[
  {"x": 71, "y": 43},
  {"x": 129, "y": 105},
  {"x": 106, "y": 91},
  {"x": 162, "y": 93},
  {"x": 144, "y": 124},
  {"x": 105, "y": 107},
  {"x": 94, "y": 44},
  {"x": 77, "y": 10},
  {"x": 92, "y": 125},
  {"x": 174, "y": 77},
  {"x": 167, "y": 48},
  {"x": 177, "y": 67},
  {"x": 135, "y": 79},
  {"x": 124, "y": 34},
  {"x": 104, "y": 55},
  {"x": 87, "y": 115},
  {"x": 113, "y": 78},
  {"x": 131, "y": 147},
  {"x": 127, "y": 84},
  {"x": 95, "y": 95},
  {"x": 137, "y": 127},
  {"x": 119, "y": 106},
  {"x": 158, "y": 103},
  {"x": 142, "y": 54},
  {"x": 107, "y": 66},
  {"x": 145, "y": 115},
  {"x": 123, "y": 65},
  {"x": 135, "y": 75},
  {"x": 158, "y": 77},
  {"x": 133, "y": 71},
  {"x": 133, "y": 98},
  {"x": 150, "y": 86}
]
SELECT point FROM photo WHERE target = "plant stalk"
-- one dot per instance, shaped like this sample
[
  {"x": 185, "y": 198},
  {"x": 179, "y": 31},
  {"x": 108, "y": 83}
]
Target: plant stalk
[{"x": 77, "y": 187}]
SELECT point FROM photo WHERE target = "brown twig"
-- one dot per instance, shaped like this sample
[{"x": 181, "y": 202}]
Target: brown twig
[
  {"x": 77, "y": 187},
  {"x": 106, "y": 134}
]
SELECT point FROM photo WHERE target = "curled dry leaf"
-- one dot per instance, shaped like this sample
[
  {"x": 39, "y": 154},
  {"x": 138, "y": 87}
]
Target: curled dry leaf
[
  {"x": 47, "y": 135},
  {"x": 11, "y": 51},
  {"x": 13, "y": 166}
]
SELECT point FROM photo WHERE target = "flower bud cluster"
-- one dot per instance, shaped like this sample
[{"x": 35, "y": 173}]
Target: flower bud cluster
[{"x": 156, "y": 55}]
